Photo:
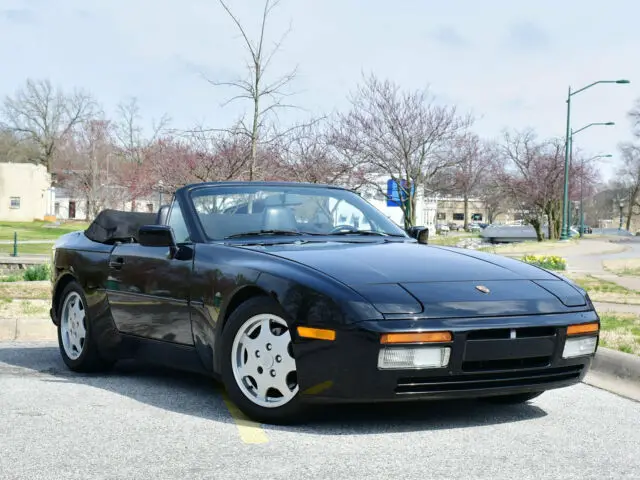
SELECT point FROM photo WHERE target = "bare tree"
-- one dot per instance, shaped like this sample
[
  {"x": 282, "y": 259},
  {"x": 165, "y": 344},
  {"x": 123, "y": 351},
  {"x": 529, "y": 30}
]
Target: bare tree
[
  {"x": 473, "y": 166},
  {"x": 44, "y": 115},
  {"x": 629, "y": 179},
  {"x": 267, "y": 95},
  {"x": 533, "y": 178},
  {"x": 129, "y": 134},
  {"x": 131, "y": 147},
  {"x": 306, "y": 154},
  {"x": 86, "y": 153},
  {"x": 400, "y": 135},
  {"x": 634, "y": 117},
  {"x": 14, "y": 150}
]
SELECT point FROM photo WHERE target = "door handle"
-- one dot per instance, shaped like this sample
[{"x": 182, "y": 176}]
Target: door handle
[{"x": 117, "y": 263}]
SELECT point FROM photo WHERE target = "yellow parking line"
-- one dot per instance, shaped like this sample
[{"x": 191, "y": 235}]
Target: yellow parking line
[{"x": 250, "y": 431}]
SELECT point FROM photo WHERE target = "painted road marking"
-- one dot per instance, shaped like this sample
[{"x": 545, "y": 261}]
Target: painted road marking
[{"x": 250, "y": 431}]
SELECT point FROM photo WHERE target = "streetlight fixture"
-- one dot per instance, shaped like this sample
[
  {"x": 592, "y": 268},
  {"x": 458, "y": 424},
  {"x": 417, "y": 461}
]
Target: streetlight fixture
[{"x": 565, "y": 204}]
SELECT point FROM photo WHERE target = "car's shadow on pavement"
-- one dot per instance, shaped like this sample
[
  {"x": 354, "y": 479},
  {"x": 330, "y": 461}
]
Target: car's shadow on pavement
[{"x": 200, "y": 396}]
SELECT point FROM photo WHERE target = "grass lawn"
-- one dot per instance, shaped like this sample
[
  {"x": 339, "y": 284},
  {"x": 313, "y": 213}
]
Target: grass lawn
[
  {"x": 27, "y": 249},
  {"x": 452, "y": 239},
  {"x": 624, "y": 266},
  {"x": 606, "y": 291},
  {"x": 621, "y": 331},
  {"x": 528, "y": 247},
  {"x": 38, "y": 230}
]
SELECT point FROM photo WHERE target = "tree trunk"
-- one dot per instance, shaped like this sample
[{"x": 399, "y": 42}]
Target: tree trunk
[
  {"x": 535, "y": 222},
  {"x": 550, "y": 223},
  {"x": 410, "y": 211},
  {"x": 256, "y": 119},
  {"x": 466, "y": 212}
]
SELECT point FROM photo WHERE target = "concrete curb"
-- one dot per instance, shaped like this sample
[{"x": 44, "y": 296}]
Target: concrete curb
[
  {"x": 27, "y": 329},
  {"x": 616, "y": 372}
]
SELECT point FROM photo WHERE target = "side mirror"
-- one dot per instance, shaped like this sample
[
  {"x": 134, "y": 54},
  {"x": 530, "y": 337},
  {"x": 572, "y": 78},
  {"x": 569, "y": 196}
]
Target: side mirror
[
  {"x": 163, "y": 214},
  {"x": 419, "y": 233},
  {"x": 156, "y": 236}
]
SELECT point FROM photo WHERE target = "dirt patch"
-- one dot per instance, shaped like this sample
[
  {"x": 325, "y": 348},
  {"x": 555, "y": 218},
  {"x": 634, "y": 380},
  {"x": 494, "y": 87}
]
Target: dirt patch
[
  {"x": 26, "y": 290},
  {"x": 10, "y": 308},
  {"x": 624, "y": 266}
]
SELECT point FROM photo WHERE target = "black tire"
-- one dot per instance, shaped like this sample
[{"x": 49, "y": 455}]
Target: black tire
[
  {"x": 513, "y": 399},
  {"x": 289, "y": 413},
  {"x": 89, "y": 359}
]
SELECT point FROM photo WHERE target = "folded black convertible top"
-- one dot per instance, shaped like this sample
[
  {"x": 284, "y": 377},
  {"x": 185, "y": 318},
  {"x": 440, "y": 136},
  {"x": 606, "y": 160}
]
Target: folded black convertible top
[{"x": 114, "y": 225}]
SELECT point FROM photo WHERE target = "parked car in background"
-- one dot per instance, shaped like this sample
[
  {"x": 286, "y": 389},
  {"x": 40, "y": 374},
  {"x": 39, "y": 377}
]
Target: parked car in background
[{"x": 442, "y": 229}]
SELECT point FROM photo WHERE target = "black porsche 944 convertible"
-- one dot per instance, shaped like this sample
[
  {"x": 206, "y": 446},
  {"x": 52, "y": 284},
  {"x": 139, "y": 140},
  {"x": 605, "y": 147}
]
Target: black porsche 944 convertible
[{"x": 293, "y": 293}]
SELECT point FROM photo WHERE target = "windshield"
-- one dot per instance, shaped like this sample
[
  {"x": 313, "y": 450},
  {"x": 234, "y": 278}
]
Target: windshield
[{"x": 231, "y": 211}]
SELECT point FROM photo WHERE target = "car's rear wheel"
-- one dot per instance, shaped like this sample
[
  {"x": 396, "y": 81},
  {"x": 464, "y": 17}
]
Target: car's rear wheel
[
  {"x": 77, "y": 347},
  {"x": 258, "y": 366},
  {"x": 513, "y": 399}
]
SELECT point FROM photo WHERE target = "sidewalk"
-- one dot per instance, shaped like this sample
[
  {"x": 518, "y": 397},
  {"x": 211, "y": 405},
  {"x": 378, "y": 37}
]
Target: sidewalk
[
  {"x": 602, "y": 307},
  {"x": 586, "y": 258},
  {"x": 26, "y": 258}
]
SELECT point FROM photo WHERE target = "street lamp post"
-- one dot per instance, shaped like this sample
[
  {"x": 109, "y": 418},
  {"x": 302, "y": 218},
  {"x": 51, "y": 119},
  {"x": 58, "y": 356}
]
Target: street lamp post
[
  {"x": 565, "y": 204},
  {"x": 160, "y": 189},
  {"x": 621, "y": 207}
]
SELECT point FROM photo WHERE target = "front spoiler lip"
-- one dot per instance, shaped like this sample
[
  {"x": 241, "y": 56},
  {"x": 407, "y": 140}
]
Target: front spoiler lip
[{"x": 440, "y": 396}]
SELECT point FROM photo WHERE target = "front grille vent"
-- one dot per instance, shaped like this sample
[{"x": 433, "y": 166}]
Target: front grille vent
[{"x": 457, "y": 383}]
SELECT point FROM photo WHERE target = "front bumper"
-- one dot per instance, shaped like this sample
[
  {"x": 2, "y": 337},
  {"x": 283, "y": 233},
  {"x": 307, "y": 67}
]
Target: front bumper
[{"x": 483, "y": 361}]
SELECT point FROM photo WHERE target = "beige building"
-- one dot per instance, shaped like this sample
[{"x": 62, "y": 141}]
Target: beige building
[
  {"x": 451, "y": 210},
  {"x": 25, "y": 192}
]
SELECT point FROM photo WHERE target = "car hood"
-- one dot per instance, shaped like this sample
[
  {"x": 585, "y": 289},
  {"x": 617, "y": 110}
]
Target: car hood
[{"x": 438, "y": 282}]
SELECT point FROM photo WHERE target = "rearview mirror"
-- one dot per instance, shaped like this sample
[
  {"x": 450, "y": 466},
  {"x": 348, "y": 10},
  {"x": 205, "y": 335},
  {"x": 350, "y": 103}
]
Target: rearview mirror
[
  {"x": 419, "y": 233},
  {"x": 156, "y": 236}
]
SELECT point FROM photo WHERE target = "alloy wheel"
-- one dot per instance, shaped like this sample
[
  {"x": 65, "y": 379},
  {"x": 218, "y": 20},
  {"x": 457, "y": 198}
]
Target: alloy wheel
[{"x": 262, "y": 361}]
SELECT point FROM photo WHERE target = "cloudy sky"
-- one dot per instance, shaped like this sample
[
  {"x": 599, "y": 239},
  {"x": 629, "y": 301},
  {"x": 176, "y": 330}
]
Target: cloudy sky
[{"x": 508, "y": 62}]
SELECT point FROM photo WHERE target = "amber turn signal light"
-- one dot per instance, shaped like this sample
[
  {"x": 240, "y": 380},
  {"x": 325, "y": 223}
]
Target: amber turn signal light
[
  {"x": 423, "y": 337},
  {"x": 583, "y": 328},
  {"x": 317, "y": 333}
]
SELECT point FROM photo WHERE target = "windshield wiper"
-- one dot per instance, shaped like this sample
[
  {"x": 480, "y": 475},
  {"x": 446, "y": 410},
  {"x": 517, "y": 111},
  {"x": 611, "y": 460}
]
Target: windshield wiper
[
  {"x": 258, "y": 233},
  {"x": 360, "y": 232}
]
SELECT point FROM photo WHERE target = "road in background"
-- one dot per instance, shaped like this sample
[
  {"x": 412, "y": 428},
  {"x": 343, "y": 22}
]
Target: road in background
[{"x": 138, "y": 422}]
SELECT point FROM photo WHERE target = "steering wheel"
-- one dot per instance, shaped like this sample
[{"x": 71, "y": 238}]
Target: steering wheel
[{"x": 340, "y": 228}]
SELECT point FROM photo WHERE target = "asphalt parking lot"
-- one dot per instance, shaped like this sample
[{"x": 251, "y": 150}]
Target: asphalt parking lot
[{"x": 139, "y": 422}]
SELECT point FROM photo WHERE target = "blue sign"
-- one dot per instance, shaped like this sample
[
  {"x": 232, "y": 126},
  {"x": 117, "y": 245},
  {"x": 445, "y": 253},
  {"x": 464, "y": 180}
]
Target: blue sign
[{"x": 396, "y": 195}]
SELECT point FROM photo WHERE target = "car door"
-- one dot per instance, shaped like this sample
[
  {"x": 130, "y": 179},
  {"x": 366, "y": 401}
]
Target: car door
[{"x": 148, "y": 287}]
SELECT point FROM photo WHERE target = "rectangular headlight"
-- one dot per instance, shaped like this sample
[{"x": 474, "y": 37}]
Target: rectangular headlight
[
  {"x": 396, "y": 358},
  {"x": 577, "y": 347}
]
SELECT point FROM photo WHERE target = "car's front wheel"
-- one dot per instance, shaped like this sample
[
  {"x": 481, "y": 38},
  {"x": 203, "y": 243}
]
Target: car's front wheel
[
  {"x": 258, "y": 366},
  {"x": 77, "y": 347}
]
